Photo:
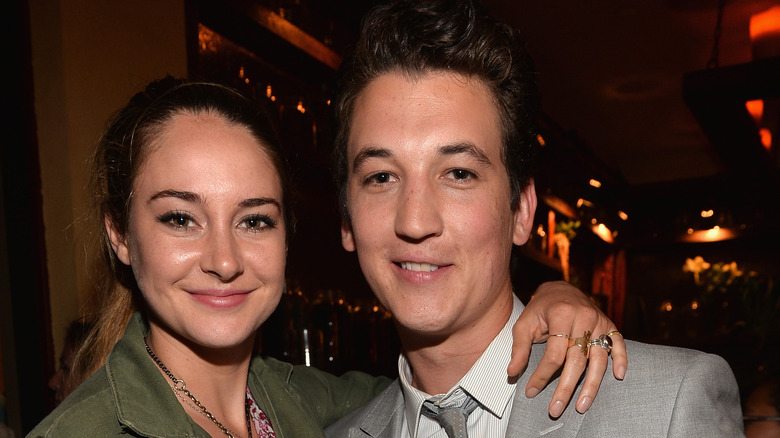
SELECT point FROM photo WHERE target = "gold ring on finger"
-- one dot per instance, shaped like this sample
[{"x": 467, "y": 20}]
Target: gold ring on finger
[{"x": 583, "y": 342}]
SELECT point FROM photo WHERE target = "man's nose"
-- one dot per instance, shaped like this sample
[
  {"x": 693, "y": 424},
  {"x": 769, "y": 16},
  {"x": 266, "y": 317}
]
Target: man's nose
[{"x": 418, "y": 214}]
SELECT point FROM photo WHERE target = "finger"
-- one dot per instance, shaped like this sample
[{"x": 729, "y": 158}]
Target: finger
[
  {"x": 521, "y": 350},
  {"x": 567, "y": 383},
  {"x": 619, "y": 356},
  {"x": 525, "y": 332},
  {"x": 597, "y": 366},
  {"x": 553, "y": 358}
]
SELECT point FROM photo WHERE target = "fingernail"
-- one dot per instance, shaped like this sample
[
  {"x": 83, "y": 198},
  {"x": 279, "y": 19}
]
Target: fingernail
[
  {"x": 531, "y": 392},
  {"x": 620, "y": 372},
  {"x": 557, "y": 409},
  {"x": 583, "y": 404}
]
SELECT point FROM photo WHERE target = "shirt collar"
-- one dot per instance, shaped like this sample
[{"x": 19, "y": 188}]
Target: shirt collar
[{"x": 486, "y": 381}]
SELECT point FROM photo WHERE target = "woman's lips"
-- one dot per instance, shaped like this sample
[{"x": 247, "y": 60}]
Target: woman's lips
[{"x": 220, "y": 299}]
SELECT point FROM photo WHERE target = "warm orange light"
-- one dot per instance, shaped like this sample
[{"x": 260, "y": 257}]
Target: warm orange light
[
  {"x": 765, "y": 23},
  {"x": 714, "y": 234},
  {"x": 766, "y": 138},
  {"x": 595, "y": 183},
  {"x": 602, "y": 231},
  {"x": 208, "y": 41},
  {"x": 765, "y": 33},
  {"x": 756, "y": 109},
  {"x": 707, "y": 213},
  {"x": 585, "y": 202},
  {"x": 623, "y": 215}
]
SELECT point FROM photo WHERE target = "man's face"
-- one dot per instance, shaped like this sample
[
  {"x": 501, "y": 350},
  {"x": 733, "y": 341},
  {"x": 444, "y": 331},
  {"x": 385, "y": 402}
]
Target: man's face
[{"x": 429, "y": 202}]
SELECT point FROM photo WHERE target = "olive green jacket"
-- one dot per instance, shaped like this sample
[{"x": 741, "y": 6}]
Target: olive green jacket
[{"x": 129, "y": 397}]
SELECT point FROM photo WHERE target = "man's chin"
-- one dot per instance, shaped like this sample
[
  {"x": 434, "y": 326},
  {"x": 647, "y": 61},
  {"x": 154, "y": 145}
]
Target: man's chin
[{"x": 427, "y": 330}]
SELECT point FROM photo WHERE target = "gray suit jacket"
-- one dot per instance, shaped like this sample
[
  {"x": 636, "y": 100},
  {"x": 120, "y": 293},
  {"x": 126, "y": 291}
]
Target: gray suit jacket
[{"x": 667, "y": 391}]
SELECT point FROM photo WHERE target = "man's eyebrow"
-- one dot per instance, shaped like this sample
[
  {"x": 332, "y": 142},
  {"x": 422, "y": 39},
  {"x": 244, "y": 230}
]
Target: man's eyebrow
[
  {"x": 466, "y": 148},
  {"x": 367, "y": 153}
]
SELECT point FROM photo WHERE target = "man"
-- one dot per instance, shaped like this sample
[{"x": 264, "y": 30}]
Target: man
[{"x": 433, "y": 153}]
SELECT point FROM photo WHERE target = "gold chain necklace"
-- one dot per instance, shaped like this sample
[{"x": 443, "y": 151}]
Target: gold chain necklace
[{"x": 180, "y": 386}]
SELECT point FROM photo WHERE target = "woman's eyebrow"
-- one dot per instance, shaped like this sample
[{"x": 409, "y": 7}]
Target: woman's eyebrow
[
  {"x": 256, "y": 202},
  {"x": 194, "y": 198},
  {"x": 185, "y": 196}
]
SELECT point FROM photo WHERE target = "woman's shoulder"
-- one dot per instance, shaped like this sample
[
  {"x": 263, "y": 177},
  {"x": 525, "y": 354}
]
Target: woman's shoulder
[
  {"x": 310, "y": 377},
  {"x": 85, "y": 412},
  {"x": 305, "y": 399}
]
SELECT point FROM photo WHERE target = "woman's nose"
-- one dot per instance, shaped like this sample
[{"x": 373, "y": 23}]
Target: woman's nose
[{"x": 222, "y": 256}]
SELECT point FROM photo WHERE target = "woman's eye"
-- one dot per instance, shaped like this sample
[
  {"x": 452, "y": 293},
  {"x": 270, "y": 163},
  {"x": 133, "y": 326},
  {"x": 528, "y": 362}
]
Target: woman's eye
[
  {"x": 177, "y": 219},
  {"x": 258, "y": 222}
]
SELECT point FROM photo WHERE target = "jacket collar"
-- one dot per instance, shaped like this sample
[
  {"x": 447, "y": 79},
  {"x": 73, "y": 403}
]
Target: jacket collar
[
  {"x": 144, "y": 400},
  {"x": 385, "y": 414},
  {"x": 529, "y": 415}
]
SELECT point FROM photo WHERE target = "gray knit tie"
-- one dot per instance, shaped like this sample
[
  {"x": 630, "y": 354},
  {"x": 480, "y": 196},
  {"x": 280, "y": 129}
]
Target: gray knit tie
[{"x": 452, "y": 418}]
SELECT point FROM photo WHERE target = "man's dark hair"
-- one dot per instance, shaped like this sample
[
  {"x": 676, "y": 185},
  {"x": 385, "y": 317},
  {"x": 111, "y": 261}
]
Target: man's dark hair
[{"x": 418, "y": 37}]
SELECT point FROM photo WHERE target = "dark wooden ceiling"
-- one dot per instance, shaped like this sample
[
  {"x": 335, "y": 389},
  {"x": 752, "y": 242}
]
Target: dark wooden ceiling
[{"x": 628, "y": 83}]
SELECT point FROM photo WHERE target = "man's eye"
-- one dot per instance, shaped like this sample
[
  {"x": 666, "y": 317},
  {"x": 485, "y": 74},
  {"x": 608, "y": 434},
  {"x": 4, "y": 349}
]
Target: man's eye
[
  {"x": 461, "y": 174},
  {"x": 380, "y": 178}
]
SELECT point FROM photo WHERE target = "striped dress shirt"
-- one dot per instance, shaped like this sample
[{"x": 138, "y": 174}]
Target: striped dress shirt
[{"x": 486, "y": 381}]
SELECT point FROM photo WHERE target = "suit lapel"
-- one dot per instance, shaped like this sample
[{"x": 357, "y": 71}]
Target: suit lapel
[
  {"x": 529, "y": 416},
  {"x": 384, "y": 416}
]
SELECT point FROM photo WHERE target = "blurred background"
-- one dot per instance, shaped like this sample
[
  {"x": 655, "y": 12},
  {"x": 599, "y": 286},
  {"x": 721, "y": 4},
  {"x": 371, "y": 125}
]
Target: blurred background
[{"x": 658, "y": 169}]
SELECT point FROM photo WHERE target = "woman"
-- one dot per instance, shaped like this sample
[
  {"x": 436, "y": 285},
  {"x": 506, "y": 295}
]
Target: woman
[{"x": 193, "y": 198}]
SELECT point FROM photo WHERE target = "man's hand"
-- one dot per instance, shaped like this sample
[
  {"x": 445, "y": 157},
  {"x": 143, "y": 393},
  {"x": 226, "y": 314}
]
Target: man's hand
[{"x": 560, "y": 308}]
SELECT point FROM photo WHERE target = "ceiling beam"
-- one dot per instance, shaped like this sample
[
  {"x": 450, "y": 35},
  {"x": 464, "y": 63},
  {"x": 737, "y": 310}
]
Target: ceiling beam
[{"x": 717, "y": 99}]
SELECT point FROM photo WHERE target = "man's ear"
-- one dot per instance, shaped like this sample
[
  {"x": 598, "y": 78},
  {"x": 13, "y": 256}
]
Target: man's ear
[
  {"x": 524, "y": 214},
  {"x": 117, "y": 242},
  {"x": 347, "y": 239}
]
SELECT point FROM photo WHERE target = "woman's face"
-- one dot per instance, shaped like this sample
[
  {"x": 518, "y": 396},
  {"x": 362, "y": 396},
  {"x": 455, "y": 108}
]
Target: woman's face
[{"x": 206, "y": 237}]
